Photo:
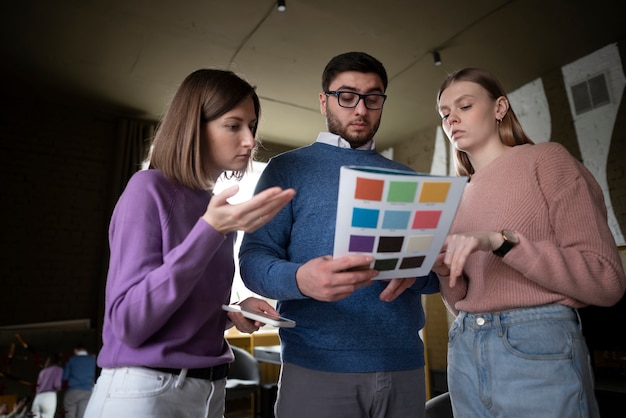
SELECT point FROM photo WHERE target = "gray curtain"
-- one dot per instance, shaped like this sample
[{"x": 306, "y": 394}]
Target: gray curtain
[
  {"x": 133, "y": 141},
  {"x": 133, "y": 138}
]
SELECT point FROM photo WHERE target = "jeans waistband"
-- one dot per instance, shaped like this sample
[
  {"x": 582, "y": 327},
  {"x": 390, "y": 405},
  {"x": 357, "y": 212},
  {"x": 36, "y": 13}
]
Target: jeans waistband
[
  {"x": 207, "y": 373},
  {"x": 516, "y": 316}
]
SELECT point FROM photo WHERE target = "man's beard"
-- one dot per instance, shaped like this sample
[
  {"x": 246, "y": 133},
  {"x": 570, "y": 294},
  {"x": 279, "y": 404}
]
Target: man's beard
[{"x": 356, "y": 140}]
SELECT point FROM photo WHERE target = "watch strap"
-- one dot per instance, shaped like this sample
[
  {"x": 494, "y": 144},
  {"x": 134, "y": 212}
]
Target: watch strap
[
  {"x": 503, "y": 249},
  {"x": 506, "y": 246}
]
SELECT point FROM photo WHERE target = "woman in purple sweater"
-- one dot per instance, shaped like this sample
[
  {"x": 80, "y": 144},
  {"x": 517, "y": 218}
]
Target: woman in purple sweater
[
  {"x": 49, "y": 382},
  {"x": 529, "y": 244},
  {"x": 171, "y": 265}
]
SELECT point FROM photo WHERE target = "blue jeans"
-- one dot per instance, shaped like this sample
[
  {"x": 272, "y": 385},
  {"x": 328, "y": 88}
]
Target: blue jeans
[
  {"x": 137, "y": 392},
  {"x": 530, "y": 362}
]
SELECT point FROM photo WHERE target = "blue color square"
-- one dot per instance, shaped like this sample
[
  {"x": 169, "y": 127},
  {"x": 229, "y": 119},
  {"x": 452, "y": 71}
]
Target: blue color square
[
  {"x": 396, "y": 219},
  {"x": 365, "y": 218}
]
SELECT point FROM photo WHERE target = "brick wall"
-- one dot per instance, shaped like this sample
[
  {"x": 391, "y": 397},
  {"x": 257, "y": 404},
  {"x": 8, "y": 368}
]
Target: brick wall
[{"x": 55, "y": 165}]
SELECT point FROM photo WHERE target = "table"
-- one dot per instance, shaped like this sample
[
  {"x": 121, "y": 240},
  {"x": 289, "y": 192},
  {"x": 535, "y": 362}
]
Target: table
[{"x": 268, "y": 354}]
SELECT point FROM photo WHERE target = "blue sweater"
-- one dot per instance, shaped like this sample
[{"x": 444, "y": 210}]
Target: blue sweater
[
  {"x": 356, "y": 334},
  {"x": 80, "y": 372}
]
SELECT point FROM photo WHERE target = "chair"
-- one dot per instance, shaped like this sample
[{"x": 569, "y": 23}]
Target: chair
[
  {"x": 244, "y": 378},
  {"x": 439, "y": 406}
]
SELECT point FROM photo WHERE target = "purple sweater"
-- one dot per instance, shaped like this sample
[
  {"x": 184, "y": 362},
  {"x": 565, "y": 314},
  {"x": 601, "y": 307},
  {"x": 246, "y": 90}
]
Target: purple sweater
[
  {"x": 49, "y": 379},
  {"x": 169, "y": 274}
]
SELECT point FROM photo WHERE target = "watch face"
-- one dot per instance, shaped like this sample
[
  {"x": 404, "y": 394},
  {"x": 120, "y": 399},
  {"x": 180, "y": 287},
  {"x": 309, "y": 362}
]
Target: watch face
[{"x": 510, "y": 237}]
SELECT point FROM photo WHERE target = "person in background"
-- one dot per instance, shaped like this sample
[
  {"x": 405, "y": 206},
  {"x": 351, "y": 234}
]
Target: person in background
[
  {"x": 80, "y": 374},
  {"x": 356, "y": 349},
  {"x": 49, "y": 382},
  {"x": 20, "y": 409},
  {"x": 528, "y": 246},
  {"x": 172, "y": 264}
]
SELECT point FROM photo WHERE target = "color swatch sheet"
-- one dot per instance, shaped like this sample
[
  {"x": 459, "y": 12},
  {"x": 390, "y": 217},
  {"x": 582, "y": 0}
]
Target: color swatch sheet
[{"x": 402, "y": 218}]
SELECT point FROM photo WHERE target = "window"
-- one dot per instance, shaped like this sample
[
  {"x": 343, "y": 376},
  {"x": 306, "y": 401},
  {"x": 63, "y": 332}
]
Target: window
[
  {"x": 590, "y": 94},
  {"x": 246, "y": 190}
]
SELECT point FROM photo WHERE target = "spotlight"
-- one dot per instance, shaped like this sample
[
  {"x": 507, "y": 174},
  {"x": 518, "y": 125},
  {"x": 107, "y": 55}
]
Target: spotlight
[
  {"x": 437, "y": 58},
  {"x": 281, "y": 5}
]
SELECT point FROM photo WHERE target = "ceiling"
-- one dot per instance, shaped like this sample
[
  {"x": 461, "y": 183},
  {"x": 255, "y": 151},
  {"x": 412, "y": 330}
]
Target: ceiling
[{"x": 132, "y": 54}]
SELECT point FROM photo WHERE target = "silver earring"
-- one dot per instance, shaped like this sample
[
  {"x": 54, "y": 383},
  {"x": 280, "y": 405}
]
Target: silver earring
[{"x": 499, "y": 121}]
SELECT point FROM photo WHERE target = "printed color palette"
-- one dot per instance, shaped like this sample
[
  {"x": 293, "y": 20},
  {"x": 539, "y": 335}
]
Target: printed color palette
[{"x": 400, "y": 217}]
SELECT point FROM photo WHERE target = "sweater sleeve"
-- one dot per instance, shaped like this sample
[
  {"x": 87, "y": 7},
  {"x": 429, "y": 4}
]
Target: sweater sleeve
[
  {"x": 451, "y": 295},
  {"x": 263, "y": 258},
  {"x": 427, "y": 284},
  {"x": 582, "y": 261},
  {"x": 145, "y": 286},
  {"x": 58, "y": 378}
]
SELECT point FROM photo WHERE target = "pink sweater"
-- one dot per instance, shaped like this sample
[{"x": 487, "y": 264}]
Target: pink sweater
[{"x": 566, "y": 255}]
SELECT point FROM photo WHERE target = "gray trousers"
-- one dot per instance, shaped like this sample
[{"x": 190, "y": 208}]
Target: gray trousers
[
  {"x": 75, "y": 401},
  {"x": 306, "y": 393}
]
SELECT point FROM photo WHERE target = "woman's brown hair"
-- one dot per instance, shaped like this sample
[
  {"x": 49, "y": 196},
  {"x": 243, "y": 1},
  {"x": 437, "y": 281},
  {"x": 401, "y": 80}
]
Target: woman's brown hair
[
  {"x": 510, "y": 129},
  {"x": 203, "y": 96}
]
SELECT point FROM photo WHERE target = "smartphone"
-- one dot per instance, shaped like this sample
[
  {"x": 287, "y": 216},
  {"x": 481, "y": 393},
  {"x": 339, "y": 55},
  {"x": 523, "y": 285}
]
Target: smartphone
[{"x": 266, "y": 318}]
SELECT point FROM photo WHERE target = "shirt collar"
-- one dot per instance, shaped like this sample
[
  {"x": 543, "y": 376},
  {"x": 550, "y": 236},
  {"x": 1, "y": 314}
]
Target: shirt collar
[{"x": 337, "y": 141}]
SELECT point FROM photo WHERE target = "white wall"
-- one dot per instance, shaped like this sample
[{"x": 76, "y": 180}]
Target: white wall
[{"x": 594, "y": 128}]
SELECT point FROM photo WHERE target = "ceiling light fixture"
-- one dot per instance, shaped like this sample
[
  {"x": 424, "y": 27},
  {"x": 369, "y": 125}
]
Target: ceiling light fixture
[
  {"x": 437, "y": 58},
  {"x": 281, "y": 5}
]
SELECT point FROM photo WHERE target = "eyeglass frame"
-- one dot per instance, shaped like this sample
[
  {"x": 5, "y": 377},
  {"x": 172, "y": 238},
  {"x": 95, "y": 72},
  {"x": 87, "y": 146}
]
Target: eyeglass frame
[{"x": 337, "y": 93}]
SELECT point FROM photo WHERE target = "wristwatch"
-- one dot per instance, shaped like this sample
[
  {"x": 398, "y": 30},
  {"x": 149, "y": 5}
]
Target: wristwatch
[{"x": 510, "y": 241}]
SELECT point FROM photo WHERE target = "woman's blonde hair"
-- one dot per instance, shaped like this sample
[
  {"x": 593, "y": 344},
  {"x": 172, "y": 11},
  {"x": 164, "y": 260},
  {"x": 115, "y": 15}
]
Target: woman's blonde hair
[
  {"x": 203, "y": 96},
  {"x": 510, "y": 129}
]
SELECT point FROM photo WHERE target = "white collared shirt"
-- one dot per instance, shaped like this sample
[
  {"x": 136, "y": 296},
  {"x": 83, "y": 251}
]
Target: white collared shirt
[{"x": 337, "y": 141}]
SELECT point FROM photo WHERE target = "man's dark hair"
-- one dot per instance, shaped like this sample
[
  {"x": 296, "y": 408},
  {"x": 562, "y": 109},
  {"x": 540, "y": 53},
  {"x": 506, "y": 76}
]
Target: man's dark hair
[{"x": 353, "y": 61}]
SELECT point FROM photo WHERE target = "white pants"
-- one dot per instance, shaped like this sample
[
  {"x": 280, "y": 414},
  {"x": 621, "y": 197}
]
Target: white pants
[
  {"x": 44, "y": 405},
  {"x": 138, "y": 392}
]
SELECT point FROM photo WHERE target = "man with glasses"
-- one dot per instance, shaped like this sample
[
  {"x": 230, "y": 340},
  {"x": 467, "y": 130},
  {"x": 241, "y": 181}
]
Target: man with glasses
[{"x": 355, "y": 350}]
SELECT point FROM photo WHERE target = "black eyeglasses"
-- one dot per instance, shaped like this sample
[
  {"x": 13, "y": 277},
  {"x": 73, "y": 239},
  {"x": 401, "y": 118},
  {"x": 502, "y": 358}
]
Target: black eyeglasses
[{"x": 351, "y": 99}]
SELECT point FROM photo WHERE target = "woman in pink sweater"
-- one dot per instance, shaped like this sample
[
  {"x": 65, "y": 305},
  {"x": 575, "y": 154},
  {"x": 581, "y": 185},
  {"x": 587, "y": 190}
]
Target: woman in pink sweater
[{"x": 529, "y": 244}]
